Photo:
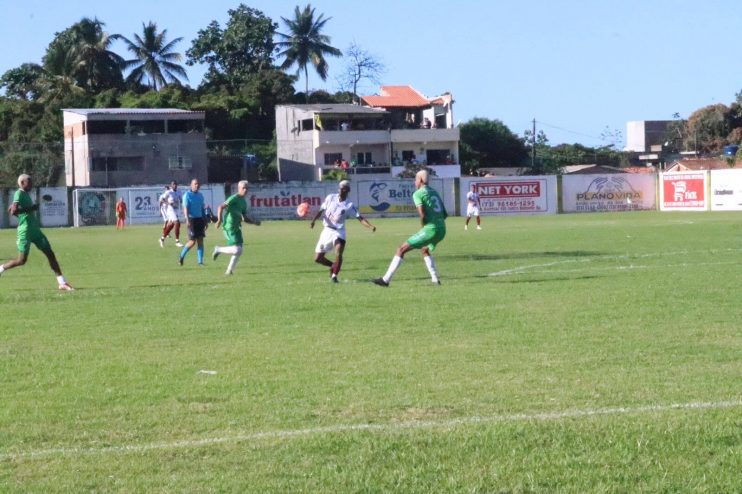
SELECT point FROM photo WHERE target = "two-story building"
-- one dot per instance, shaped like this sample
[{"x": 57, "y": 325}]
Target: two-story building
[
  {"x": 117, "y": 147},
  {"x": 397, "y": 127}
]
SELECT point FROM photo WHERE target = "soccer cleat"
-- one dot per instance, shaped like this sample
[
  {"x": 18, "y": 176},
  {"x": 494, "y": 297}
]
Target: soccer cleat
[
  {"x": 466, "y": 227},
  {"x": 334, "y": 279},
  {"x": 479, "y": 227},
  {"x": 215, "y": 254},
  {"x": 180, "y": 261},
  {"x": 436, "y": 282},
  {"x": 178, "y": 244},
  {"x": 66, "y": 287},
  {"x": 162, "y": 242},
  {"x": 380, "y": 282},
  {"x": 228, "y": 273}
]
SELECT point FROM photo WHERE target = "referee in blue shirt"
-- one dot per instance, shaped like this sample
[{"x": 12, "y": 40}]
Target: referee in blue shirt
[{"x": 193, "y": 210}]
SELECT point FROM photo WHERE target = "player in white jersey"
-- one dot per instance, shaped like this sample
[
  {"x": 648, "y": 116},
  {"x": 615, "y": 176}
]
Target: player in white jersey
[
  {"x": 171, "y": 200},
  {"x": 472, "y": 207},
  {"x": 334, "y": 210}
]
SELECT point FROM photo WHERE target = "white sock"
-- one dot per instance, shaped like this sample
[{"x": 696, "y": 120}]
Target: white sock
[
  {"x": 430, "y": 263},
  {"x": 60, "y": 280},
  {"x": 236, "y": 253},
  {"x": 393, "y": 266},
  {"x": 232, "y": 249},
  {"x": 2, "y": 268},
  {"x": 232, "y": 263}
]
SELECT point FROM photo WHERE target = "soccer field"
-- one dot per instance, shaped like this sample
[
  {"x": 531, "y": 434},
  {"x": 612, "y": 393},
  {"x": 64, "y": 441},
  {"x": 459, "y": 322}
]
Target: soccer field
[{"x": 570, "y": 353}]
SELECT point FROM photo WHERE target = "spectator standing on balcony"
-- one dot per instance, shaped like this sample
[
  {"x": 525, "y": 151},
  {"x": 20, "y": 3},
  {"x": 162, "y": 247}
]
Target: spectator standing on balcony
[
  {"x": 472, "y": 207},
  {"x": 344, "y": 164},
  {"x": 344, "y": 126}
]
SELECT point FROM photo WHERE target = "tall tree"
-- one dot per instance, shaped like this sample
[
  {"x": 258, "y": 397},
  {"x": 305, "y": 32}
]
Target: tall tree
[
  {"x": 83, "y": 50},
  {"x": 360, "y": 65},
  {"x": 155, "y": 62},
  {"x": 306, "y": 44},
  {"x": 489, "y": 143},
  {"x": 244, "y": 46}
]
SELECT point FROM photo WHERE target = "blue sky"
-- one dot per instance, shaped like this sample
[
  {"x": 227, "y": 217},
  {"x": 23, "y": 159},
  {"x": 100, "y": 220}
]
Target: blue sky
[{"x": 577, "y": 67}]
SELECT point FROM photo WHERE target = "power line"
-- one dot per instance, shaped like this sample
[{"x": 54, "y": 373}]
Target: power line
[{"x": 569, "y": 131}]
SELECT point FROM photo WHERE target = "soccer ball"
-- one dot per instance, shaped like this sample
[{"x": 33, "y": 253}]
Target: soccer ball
[{"x": 302, "y": 210}]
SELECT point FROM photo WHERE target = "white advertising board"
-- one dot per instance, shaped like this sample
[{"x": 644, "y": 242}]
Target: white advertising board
[
  {"x": 609, "y": 192},
  {"x": 279, "y": 200},
  {"x": 53, "y": 206},
  {"x": 726, "y": 190},
  {"x": 512, "y": 195},
  {"x": 143, "y": 204},
  {"x": 683, "y": 191},
  {"x": 392, "y": 197}
]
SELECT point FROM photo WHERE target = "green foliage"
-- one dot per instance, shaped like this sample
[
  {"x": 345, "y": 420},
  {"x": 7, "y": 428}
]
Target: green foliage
[
  {"x": 22, "y": 82},
  {"x": 489, "y": 143},
  {"x": 549, "y": 360},
  {"x": 305, "y": 44},
  {"x": 154, "y": 60},
  {"x": 243, "y": 47}
]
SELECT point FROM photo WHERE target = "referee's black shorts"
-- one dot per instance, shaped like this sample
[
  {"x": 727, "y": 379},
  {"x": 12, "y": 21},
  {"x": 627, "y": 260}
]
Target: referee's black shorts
[{"x": 197, "y": 229}]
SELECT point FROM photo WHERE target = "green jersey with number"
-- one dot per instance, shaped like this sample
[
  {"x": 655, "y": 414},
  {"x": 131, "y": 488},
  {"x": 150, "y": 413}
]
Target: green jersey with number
[
  {"x": 232, "y": 215},
  {"x": 435, "y": 211},
  {"x": 28, "y": 221}
]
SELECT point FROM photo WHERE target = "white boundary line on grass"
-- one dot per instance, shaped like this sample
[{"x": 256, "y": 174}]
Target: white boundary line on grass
[
  {"x": 521, "y": 269},
  {"x": 389, "y": 427}
]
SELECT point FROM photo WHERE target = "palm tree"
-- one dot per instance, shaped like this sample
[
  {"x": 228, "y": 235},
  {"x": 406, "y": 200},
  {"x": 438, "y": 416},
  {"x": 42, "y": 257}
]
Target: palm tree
[
  {"x": 154, "y": 59},
  {"x": 100, "y": 67},
  {"x": 81, "y": 51},
  {"x": 306, "y": 43}
]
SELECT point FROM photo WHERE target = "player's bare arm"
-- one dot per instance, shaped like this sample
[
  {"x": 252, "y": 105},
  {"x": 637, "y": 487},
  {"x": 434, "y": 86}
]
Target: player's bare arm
[
  {"x": 365, "y": 223},
  {"x": 249, "y": 219},
  {"x": 316, "y": 217}
]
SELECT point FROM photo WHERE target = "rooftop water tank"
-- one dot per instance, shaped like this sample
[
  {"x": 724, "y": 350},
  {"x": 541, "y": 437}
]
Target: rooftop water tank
[{"x": 731, "y": 150}]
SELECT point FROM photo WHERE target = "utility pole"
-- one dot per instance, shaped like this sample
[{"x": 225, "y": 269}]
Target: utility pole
[{"x": 533, "y": 146}]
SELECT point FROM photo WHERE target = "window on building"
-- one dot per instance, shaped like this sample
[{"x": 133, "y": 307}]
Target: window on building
[
  {"x": 331, "y": 158},
  {"x": 119, "y": 164},
  {"x": 180, "y": 163},
  {"x": 106, "y": 127},
  {"x": 364, "y": 158},
  {"x": 438, "y": 156},
  {"x": 408, "y": 155},
  {"x": 147, "y": 126},
  {"x": 307, "y": 124},
  {"x": 185, "y": 126}
]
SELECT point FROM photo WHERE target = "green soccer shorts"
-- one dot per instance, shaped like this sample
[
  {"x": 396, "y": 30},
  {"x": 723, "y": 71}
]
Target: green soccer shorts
[{"x": 429, "y": 235}]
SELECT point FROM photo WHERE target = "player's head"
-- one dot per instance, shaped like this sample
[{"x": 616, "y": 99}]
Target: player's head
[
  {"x": 344, "y": 187},
  {"x": 421, "y": 178},
  {"x": 24, "y": 182},
  {"x": 174, "y": 185},
  {"x": 195, "y": 185},
  {"x": 473, "y": 187},
  {"x": 242, "y": 186}
]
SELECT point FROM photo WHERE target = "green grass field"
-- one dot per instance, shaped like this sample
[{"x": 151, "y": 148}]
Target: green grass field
[{"x": 571, "y": 353}]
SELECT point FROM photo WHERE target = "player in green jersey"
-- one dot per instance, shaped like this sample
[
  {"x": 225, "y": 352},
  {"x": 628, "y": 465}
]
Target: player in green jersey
[
  {"x": 433, "y": 218},
  {"x": 230, "y": 215},
  {"x": 29, "y": 232}
]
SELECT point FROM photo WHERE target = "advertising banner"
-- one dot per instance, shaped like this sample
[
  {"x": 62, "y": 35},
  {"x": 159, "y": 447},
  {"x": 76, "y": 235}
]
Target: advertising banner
[
  {"x": 53, "y": 206},
  {"x": 512, "y": 195},
  {"x": 726, "y": 190},
  {"x": 391, "y": 197},
  {"x": 683, "y": 191},
  {"x": 610, "y": 192},
  {"x": 279, "y": 201},
  {"x": 143, "y": 204}
]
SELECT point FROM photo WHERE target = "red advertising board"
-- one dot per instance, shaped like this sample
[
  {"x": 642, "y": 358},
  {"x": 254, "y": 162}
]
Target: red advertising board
[{"x": 684, "y": 191}]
